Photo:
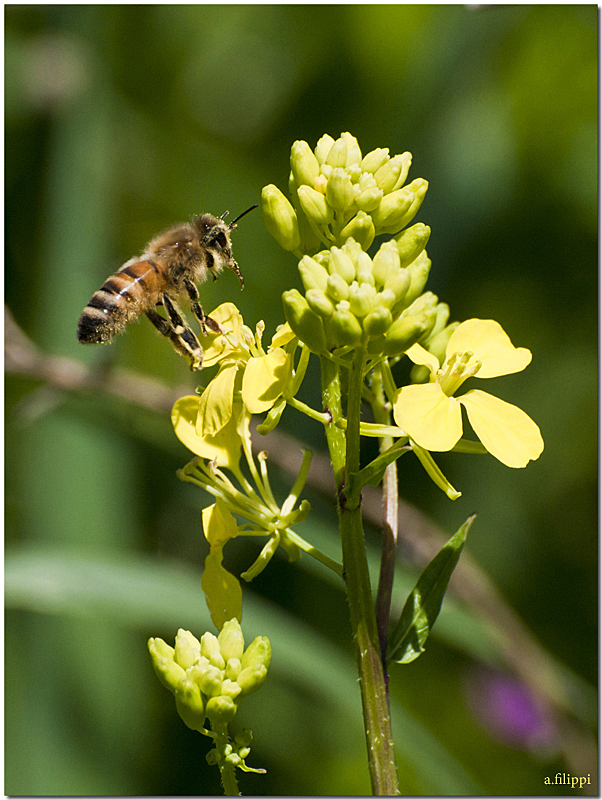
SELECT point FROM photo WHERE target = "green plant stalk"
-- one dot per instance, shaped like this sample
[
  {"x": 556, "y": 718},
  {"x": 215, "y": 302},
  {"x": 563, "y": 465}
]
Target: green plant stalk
[
  {"x": 227, "y": 771},
  {"x": 382, "y": 416},
  {"x": 344, "y": 451}
]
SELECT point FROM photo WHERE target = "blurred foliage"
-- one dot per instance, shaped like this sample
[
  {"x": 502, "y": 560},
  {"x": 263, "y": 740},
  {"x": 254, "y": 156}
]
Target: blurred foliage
[{"x": 121, "y": 120}]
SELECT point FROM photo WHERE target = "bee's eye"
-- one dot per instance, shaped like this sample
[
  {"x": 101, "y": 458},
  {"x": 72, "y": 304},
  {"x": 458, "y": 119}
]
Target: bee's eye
[{"x": 220, "y": 241}]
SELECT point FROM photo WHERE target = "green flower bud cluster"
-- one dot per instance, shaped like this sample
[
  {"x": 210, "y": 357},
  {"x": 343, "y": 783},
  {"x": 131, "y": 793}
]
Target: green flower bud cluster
[
  {"x": 210, "y": 677},
  {"x": 350, "y": 296},
  {"x": 336, "y": 193}
]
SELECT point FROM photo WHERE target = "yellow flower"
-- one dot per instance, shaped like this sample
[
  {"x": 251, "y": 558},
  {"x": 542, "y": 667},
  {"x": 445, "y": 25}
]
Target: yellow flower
[{"x": 432, "y": 417}]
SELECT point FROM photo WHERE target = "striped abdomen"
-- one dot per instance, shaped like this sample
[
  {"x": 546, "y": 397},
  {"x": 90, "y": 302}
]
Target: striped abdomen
[{"x": 137, "y": 287}]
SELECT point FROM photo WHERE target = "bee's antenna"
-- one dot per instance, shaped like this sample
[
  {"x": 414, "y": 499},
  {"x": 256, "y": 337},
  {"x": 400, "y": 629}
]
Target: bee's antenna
[
  {"x": 232, "y": 225},
  {"x": 224, "y": 215}
]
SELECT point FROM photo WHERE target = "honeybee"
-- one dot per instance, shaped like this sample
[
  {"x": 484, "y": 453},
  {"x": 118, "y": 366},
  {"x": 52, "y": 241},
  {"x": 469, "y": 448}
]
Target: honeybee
[{"x": 171, "y": 266}]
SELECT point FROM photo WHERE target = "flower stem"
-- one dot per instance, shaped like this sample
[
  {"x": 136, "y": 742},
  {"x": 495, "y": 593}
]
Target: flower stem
[
  {"x": 227, "y": 771},
  {"x": 345, "y": 456}
]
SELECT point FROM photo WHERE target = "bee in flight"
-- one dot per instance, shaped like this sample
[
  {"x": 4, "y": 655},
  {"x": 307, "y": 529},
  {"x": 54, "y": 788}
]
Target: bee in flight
[{"x": 171, "y": 266}]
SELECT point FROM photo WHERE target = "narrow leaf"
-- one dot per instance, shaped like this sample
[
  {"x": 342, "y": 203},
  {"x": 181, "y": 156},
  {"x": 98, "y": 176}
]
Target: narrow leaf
[
  {"x": 372, "y": 473},
  {"x": 424, "y": 603}
]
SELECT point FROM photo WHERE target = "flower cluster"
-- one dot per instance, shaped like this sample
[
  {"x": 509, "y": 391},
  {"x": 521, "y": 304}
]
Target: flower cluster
[
  {"x": 210, "y": 677},
  {"x": 337, "y": 193}
]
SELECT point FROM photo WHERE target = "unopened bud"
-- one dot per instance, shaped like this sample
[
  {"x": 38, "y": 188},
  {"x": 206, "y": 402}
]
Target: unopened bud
[
  {"x": 244, "y": 737},
  {"x": 187, "y": 650},
  {"x": 233, "y": 667},
  {"x": 319, "y": 303},
  {"x": 438, "y": 344},
  {"x": 419, "y": 186},
  {"x": 412, "y": 242},
  {"x": 313, "y": 275},
  {"x": 361, "y": 229},
  {"x": 369, "y": 199},
  {"x": 344, "y": 326},
  {"x": 258, "y": 652},
  {"x": 404, "y": 333},
  {"x": 419, "y": 271},
  {"x": 314, "y": 205},
  {"x": 230, "y": 689},
  {"x": 169, "y": 673},
  {"x": 388, "y": 217},
  {"x": 304, "y": 164},
  {"x": 374, "y": 160},
  {"x": 190, "y": 707},
  {"x": 399, "y": 283},
  {"x": 337, "y": 156},
  {"x": 354, "y": 154},
  {"x": 323, "y": 148},
  {"x": 340, "y": 193},
  {"x": 393, "y": 173},
  {"x": 209, "y": 681},
  {"x": 304, "y": 322},
  {"x": 364, "y": 268},
  {"x": 221, "y": 709},
  {"x": 280, "y": 218},
  {"x": 442, "y": 310},
  {"x": 337, "y": 287},
  {"x": 386, "y": 262},
  {"x": 361, "y": 299},
  {"x": 159, "y": 648},
  {"x": 342, "y": 264},
  {"x": 251, "y": 679},
  {"x": 211, "y": 650},
  {"x": 377, "y": 322},
  {"x": 231, "y": 640}
]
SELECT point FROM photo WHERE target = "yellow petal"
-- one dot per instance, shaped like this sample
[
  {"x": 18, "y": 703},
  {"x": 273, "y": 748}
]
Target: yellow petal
[
  {"x": 218, "y": 524},
  {"x": 216, "y": 346},
  {"x": 419, "y": 355},
  {"x": 223, "y": 448},
  {"x": 426, "y": 414},
  {"x": 222, "y": 590},
  {"x": 265, "y": 379},
  {"x": 283, "y": 336},
  {"x": 491, "y": 345},
  {"x": 507, "y": 432},
  {"x": 215, "y": 408}
]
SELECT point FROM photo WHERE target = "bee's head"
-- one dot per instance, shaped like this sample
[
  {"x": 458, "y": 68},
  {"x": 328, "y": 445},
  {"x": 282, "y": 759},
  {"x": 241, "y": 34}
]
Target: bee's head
[{"x": 214, "y": 235}]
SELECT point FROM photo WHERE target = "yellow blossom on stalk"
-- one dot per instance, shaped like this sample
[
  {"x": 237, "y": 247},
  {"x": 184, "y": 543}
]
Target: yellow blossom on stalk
[{"x": 432, "y": 416}]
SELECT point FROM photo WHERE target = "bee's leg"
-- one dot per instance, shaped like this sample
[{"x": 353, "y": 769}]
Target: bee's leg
[
  {"x": 203, "y": 320},
  {"x": 178, "y": 332}
]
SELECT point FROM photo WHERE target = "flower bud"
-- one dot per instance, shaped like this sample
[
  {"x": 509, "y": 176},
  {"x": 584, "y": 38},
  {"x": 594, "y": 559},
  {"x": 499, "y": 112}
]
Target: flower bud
[
  {"x": 304, "y": 164},
  {"x": 442, "y": 310},
  {"x": 233, "y": 667},
  {"x": 353, "y": 249},
  {"x": 160, "y": 649},
  {"x": 364, "y": 268},
  {"x": 369, "y": 199},
  {"x": 244, "y": 752},
  {"x": 438, "y": 344},
  {"x": 399, "y": 283},
  {"x": 310, "y": 241},
  {"x": 209, "y": 681},
  {"x": 187, "y": 650},
  {"x": 244, "y": 737},
  {"x": 258, "y": 652},
  {"x": 419, "y": 271},
  {"x": 361, "y": 229},
  {"x": 169, "y": 673},
  {"x": 337, "y": 156},
  {"x": 280, "y": 218},
  {"x": 389, "y": 216},
  {"x": 393, "y": 173},
  {"x": 191, "y": 707},
  {"x": 377, "y": 322},
  {"x": 304, "y": 322},
  {"x": 344, "y": 326},
  {"x": 231, "y": 641},
  {"x": 386, "y": 262},
  {"x": 354, "y": 171},
  {"x": 419, "y": 186},
  {"x": 342, "y": 264},
  {"x": 406, "y": 332},
  {"x": 361, "y": 299},
  {"x": 412, "y": 242},
  {"x": 251, "y": 679},
  {"x": 313, "y": 275},
  {"x": 211, "y": 650},
  {"x": 319, "y": 303},
  {"x": 340, "y": 193},
  {"x": 337, "y": 287},
  {"x": 314, "y": 205},
  {"x": 221, "y": 709},
  {"x": 323, "y": 148},
  {"x": 230, "y": 689},
  {"x": 212, "y": 757},
  {"x": 426, "y": 301},
  {"x": 354, "y": 154},
  {"x": 374, "y": 160}
]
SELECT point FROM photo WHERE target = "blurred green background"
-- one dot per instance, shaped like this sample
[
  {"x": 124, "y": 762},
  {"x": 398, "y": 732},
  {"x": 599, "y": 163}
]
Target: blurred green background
[{"x": 121, "y": 120}]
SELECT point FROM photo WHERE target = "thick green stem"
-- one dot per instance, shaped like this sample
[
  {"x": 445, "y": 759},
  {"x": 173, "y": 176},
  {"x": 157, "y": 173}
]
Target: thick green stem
[
  {"x": 227, "y": 771},
  {"x": 345, "y": 456}
]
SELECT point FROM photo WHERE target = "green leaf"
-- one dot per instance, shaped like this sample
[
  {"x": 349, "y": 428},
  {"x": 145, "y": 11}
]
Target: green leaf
[{"x": 422, "y": 607}]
